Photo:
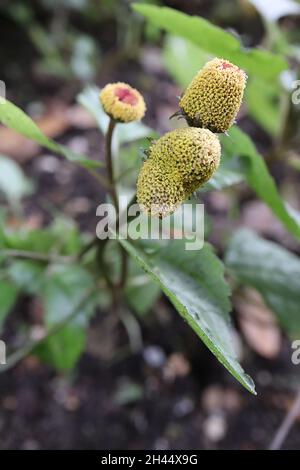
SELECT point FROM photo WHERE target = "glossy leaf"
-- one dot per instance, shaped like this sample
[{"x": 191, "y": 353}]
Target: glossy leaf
[
  {"x": 27, "y": 275},
  {"x": 194, "y": 283}
]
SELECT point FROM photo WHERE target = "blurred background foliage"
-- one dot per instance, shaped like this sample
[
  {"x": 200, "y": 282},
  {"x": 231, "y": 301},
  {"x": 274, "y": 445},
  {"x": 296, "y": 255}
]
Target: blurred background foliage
[{"x": 57, "y": 54}]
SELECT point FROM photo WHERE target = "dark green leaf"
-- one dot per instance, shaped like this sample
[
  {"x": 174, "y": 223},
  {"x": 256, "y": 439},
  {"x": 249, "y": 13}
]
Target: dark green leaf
[
  {"x": 229, "y": 173},
  {"x": 40, "y": 240},
  {"x": 264, "y": 104},
  {"x": 141, "y": 292},
  {"x": 259, "y": 178},
  {"x": 67, "y": 234},
  {"x": 26, "y": 274},
  {"x": 273, "y": 271},
  {"x": 8, "y": 297},
  {"x": 62, "y": 292},
  {"x": 194, "y": 282},
  {"x": 62, "y": 237},
  {"x": 63, "y": 349}
]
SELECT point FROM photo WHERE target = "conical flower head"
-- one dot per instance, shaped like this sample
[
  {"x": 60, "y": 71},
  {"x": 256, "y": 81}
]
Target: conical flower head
[
  {"x": 214, "y": 96},
  {"x": 122, "y": 102},
  {"x": 160, "y": 189},
  {"x": 179, "y": 163},
  {"x": 194, "y": 152}
]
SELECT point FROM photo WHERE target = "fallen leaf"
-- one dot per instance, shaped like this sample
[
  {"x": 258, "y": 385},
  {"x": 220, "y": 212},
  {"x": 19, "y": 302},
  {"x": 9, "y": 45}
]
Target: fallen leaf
[
  {"x": 258, "y": 323},
  {"x": 176, "y": 366},
  {"x": 216, "y": 398}
]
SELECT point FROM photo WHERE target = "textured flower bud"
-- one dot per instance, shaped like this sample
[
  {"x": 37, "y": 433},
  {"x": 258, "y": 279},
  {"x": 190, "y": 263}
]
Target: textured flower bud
[
  {"x": 122, "y": 102},
  {"x": 214, "y": 96},
  {"x": 194, "y": 152},
  {"x": 179, "y": 163},
  {"x": 160, "y": 189}
]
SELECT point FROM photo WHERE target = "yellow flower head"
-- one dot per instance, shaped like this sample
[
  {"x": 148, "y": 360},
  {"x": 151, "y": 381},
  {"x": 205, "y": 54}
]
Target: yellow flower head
[
  {"x": 122, "y": 102},
  {"x": 179, "y": 163},
  {"x": 160, "y": 189},
  {"x": 194, "y": 152},
  {"x": 214, "y": 96}
]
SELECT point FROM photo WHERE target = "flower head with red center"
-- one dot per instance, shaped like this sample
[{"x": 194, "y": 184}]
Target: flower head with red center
[
  {"x": 126, "y": 96},
  {"x": 214, "y": 96},
  {"x": 122, "y": 102},
  {"x": 225, "y": 65}
]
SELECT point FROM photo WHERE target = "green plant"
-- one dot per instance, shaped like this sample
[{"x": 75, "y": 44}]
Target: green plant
[{"x": 73, "y": 273}]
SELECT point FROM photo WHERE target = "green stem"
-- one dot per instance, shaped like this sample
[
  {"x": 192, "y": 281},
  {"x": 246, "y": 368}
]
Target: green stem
[
  {"x": 36, "y": 256},
  {"x": 114, "y": 196},
  {"x": 109, "y": 162},
  {"x": 87, "y": 248}
]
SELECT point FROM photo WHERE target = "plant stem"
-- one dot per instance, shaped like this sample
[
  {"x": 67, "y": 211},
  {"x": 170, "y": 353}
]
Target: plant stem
[
  {"x": 95, "y": 240},
  {"x": 100, "y": 178},
  {"x": 124, "y": 267},
  {"x": 109, "y": 163},
  {"x": 114, "y": 196},
  {"x": 36, "y": 256},
  {"x": 87, "y": 248}
]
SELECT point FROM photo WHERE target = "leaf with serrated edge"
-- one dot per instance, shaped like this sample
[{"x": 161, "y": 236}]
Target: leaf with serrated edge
[{"x": 195, "y": 285}]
